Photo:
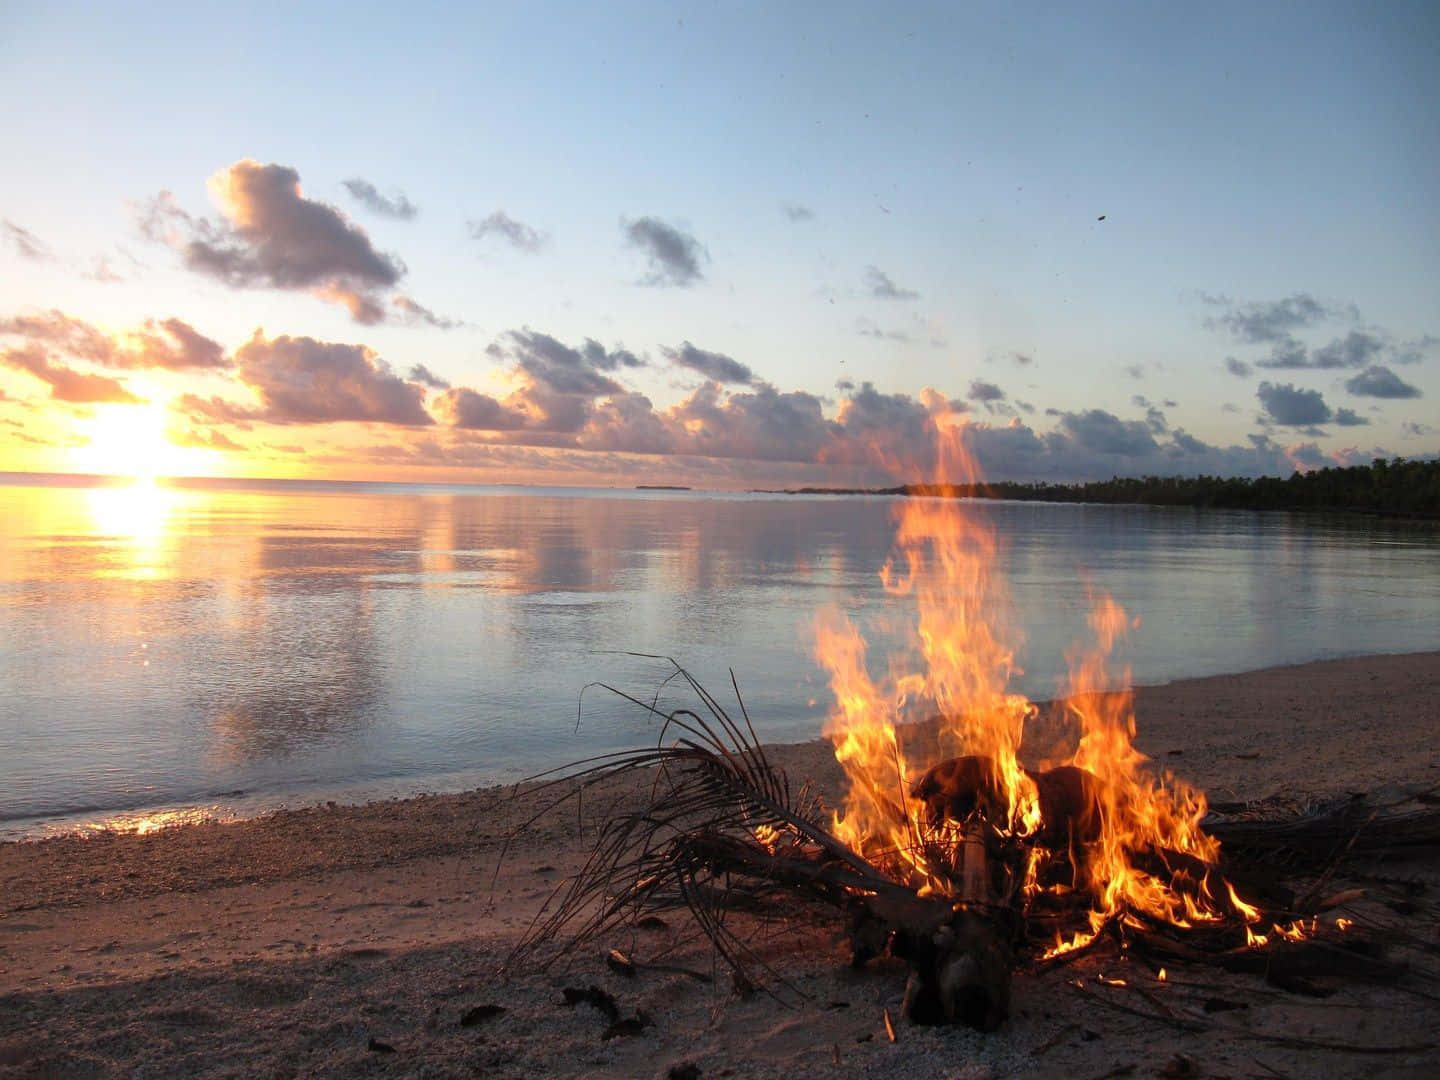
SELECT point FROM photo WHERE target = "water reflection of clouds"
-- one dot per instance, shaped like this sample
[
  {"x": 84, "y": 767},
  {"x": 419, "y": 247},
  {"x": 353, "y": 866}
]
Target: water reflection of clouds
[
  {"x": 313, "y": 671},
  {"x": 330, "y": 636},
  {"x": 301, "y": 628}
]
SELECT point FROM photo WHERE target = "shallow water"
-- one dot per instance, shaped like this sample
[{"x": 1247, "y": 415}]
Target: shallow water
[{"x": 242, "y": 645}]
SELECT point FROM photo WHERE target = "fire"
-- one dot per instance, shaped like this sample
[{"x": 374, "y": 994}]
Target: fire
[{"x": 922, "y": 799}]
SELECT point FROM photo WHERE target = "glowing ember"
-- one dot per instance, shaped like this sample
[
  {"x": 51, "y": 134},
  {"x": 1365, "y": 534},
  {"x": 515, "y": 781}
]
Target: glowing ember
[{"x": 1086, "y": 823}]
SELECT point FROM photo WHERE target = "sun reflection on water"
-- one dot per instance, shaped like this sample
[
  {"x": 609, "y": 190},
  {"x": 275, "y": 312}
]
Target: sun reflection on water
[
  {"x": 138, "y": 516},
  {"x": 145, "y": 822}
]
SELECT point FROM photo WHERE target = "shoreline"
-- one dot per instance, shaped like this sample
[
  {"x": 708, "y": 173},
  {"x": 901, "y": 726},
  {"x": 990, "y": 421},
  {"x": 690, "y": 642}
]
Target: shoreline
[
  {"x": 287, "y": 944},
  {"x": 146, "y": 818}
]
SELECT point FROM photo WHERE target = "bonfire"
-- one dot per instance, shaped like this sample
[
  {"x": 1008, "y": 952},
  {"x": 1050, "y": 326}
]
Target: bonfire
[{"x": 951, "y": 850}]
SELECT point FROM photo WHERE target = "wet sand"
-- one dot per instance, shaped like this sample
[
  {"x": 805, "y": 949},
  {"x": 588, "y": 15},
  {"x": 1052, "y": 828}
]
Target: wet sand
[{"x": 354, "y": 940}]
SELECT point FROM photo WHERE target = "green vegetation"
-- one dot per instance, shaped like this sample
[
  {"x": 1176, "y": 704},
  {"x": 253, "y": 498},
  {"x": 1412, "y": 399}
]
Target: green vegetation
[{"x": 1409, "y": 488}]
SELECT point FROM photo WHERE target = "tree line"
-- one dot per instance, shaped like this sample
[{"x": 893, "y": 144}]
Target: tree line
[{"x": 1397, "y": 486}]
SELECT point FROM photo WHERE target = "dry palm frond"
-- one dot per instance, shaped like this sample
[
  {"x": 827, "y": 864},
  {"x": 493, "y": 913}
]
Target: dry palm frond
[{"x": 693, "y": 843}]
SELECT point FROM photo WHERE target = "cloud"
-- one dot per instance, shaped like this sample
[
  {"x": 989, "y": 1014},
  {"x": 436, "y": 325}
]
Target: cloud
[
  {"x": 274, "y": 237},
  {"x": 1305, "y": 457},
  {"x": 1023, "y": 359},
  {"x": 794, "y": 212},
  {"x": 1268, "y": 322},
  {"x": 758, "y": 422},
  {"x": 892, "y": 430},
  {"x": 216, "y": 410},
  {"x": 1275, "y": 324},
  {"x": 565, "y": 369},
  {"x": 762, "y": 423},
  {"x": 557, "y": 387},
  {"x": 1287, "y": 353},
  {"x": 67, "y": 384},
  {"x": 1349, "y": 418},
  {"x": 980, "y": 390},
  {"x": 421, "y": 374},
  {"x": 868, "y": 328},
  {"x": 566, "y": 399},
  {"x": 177, "y": 346},
  {"x": 364, "y": 307},
  {"x": 516, "y": 233},
  {"x": 24, "y": 242},
  {"x": 628, "y": 423},
  {"x": 1412, "y": 352},
  {"x": 461, "y": 407},
  {"x": 1414, "y": 429},
  {"x": 101, "y": 271},
  {"x": 1293, "y": 407},
  {"x": 414, "y": 313},
  {"x": 396, "y": 206},
  {"x": 883, "y": 288},
  {"x": 1380, "y": 382},
  {"x": 205, "y": 439},
  {"x": 168, "y": 344},
  {"x": 300, "y": 380},
  {"x": 1103, "y": 432},
  {"x": 1154, "y": 418},
  {"x": 713, "y": 365},
  {"x": 1355, "y": 349},
  {"x": 673, "y": 254}
]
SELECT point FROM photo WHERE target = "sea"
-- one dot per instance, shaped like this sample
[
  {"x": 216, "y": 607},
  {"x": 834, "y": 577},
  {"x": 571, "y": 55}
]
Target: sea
[{"x": 223, "y": 648}]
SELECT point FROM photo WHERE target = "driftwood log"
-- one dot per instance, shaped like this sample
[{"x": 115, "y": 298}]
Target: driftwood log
[{"x": 960, "y": 960}]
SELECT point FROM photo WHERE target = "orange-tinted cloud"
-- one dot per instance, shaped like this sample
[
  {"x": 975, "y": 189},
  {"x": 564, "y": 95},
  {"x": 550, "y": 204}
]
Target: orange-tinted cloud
[
  {"x": 168, "y": 344},
  {"x": 67, "y": 384},
  {"x": 300, "y": 380}
]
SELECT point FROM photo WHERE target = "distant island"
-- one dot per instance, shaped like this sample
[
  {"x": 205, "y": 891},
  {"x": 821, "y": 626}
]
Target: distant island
[
  {"x": 1393, "y": 487},
  {"x": 661, "y": 487}
]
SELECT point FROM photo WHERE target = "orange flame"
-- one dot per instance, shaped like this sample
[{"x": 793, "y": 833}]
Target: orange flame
[
  {"x": 944, "y": 561},
  {"x": 963, "y": 659}
]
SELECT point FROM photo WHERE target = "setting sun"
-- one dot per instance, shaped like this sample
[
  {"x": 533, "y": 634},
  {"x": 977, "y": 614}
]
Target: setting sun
[{"x": 131, "y": 440}]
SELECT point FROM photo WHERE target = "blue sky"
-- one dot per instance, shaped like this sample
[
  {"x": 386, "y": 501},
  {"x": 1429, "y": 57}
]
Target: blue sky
[{"x": 852, "y": 204}]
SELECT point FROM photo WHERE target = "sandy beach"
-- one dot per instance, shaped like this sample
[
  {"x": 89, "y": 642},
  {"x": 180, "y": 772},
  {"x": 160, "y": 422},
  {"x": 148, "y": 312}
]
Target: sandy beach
[{"x": 344, "y": 940}]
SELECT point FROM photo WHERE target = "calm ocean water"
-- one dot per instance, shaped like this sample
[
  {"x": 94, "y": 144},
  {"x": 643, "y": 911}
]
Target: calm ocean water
[{"x": 243, "y": 646}]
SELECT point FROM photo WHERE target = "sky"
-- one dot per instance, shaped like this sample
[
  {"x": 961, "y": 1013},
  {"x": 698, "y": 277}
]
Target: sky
[{"x": 721, "y": 245}]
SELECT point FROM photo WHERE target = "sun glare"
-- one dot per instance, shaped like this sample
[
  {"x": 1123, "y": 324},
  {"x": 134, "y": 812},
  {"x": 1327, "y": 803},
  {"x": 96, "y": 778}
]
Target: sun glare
[{"x": 130, "y": 440}]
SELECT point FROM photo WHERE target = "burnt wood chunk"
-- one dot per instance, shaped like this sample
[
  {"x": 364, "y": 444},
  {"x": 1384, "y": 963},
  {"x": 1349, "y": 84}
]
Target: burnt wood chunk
[
  {"x": 956, "y": 789},
  {"x": 960, "y": 788},
  {"x": 1070, "y": 808}
]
